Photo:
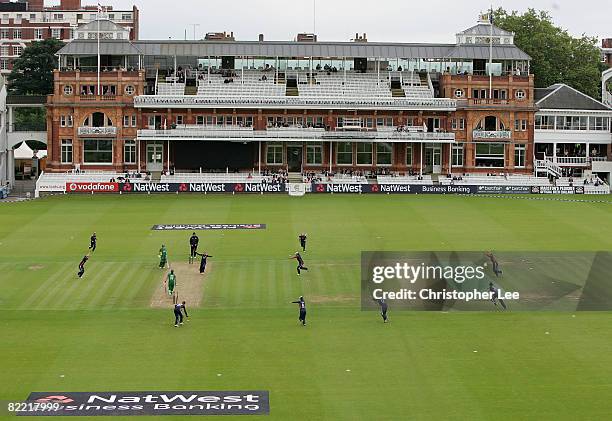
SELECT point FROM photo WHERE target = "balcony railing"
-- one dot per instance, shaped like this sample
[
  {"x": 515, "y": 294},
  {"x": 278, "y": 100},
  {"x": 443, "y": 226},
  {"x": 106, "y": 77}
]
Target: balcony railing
[
  {"x": 188, "y": 101},
  {"x": 577, "y": 160},
  {"x": 292, "y": 134},
  {"x": 492, "y": 134},
  {"x": 97, "y": 131}
]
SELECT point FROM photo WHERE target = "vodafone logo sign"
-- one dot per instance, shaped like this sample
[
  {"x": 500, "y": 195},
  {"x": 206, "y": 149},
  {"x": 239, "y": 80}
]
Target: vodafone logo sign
[{"x": 92, "y": 187}]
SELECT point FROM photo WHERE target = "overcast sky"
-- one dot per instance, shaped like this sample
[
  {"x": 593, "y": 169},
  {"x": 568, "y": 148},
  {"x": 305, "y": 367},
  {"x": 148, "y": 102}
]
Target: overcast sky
[{"x": 339, "y": 20}]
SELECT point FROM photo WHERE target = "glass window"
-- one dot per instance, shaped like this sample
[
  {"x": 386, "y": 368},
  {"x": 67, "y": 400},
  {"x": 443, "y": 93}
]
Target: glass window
[
  {"x": 17, "y": 34},
  {"x": 545, "y": 122},
  {"x": 200, "y": 120},
  {"x": 134, "y": 121},
  {"x": 599, "y": 123},
  {"x": 179, "y": 120},
  {"x": 314, "y": 154},
  {"x": 409, "y": 153},
  {"x": 274, "y": 154},
  {"x": 344, "y": 153},
  {"x": 519, "y": 156},
  {"x": 364, "y": 154},
  {"x": 126, "y": 121},
  {"x": 98, "y": 151},
  {"x": 17, "y": 50},
  {"x": 66, "y": 151},
  {"x": 38, "y": 34},
  {"x": 384, "y": 154},
  {"x": 56, "y": 33},
  {"x": 129, "y": 152},
  {"x": 457, "y": 156},
  {"x": 490, "y": 155}
]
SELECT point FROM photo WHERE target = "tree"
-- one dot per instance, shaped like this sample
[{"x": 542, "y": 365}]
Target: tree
[
  {"x": 557, "y": 56},
  {"x": 32, "y": 73}
]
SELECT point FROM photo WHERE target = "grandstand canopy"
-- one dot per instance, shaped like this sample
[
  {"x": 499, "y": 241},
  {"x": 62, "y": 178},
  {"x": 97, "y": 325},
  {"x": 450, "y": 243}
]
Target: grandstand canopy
[{"x": 293, "y": 49}]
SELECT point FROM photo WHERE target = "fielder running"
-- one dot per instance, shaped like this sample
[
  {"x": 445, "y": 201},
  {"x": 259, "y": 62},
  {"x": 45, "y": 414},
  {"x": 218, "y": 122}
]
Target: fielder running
[
  {"x": 303, "y": 239},
  {"x": 495, "y": 298},
  {"x": 300, "y": 266},
  {"x": 82, "y": 266},
  {"x": 383, "y": 309},
  {"x": 93, "y": 242}
]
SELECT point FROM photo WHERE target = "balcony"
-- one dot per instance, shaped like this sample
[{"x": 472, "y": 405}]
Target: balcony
[
  {"x": 97, "y": 131},
  {"x": 242, "y": 134},
  {"x": 250, "y": 102},
  {"x": 492, "y": 134},
  {"x": 577, "y": 161}
]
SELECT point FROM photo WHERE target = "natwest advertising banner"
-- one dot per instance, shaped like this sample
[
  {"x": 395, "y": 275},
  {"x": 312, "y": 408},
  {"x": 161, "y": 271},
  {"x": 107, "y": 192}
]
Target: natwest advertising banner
[
  {"x": 205, "y": 188},
  {"x": 392, "y": 189},
  {"x": 92, "y": 187}
]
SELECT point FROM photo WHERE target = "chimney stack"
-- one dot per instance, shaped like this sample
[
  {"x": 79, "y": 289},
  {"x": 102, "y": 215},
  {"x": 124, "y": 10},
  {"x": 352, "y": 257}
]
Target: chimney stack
[
  {"x": 70, "y": 4},
  {"x": 36, "y": 5}
]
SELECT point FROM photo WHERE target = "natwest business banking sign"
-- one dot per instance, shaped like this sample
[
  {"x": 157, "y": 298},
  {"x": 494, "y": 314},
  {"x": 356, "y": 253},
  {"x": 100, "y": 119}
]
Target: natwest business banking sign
[
  {"x": 91, "y": 404},
  {"x": 92, "y": 187}
]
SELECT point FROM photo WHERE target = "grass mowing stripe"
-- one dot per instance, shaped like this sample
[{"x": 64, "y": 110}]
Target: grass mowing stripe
[
  {"x": 112, "y": 300},
  {"x": 90, "y": 282},
  {"x": 44, "y": 286},
  {"x": 57, "y": 296},
  {"x": 135, "y": 288},
  {"x": 110, "y": 281}
]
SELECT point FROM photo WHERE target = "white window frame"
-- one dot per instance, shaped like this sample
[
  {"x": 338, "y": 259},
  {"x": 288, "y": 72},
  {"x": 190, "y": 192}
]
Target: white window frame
[
  {"x": 277, "y": 152},
  {"x": 131, "y": 144},
  {"x": 65, "y": 149},
  {"x": 385, "y": 153},
  {"x": 316, "y": 150},
  {"x": 338, "y": 152},
  {"x": 361, "y": 153},
  {"x": 520, "y": 152},
  {"x": 458, "y": 151}
]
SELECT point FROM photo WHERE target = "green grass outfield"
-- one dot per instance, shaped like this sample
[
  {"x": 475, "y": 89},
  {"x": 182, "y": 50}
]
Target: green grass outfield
[{"x": 100, "y": 333}]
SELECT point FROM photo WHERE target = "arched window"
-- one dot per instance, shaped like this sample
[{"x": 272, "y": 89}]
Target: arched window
[
  {"x": 98, "y": 119},
  {"x": 491, "y": 124}
]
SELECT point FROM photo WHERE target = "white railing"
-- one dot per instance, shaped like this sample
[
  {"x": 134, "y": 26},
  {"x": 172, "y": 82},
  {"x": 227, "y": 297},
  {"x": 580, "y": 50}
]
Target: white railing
[
  {"x": 188, "y": 101},
  {"x": 546, "y": 165},
  {"x": 577, "y": 160},
  {"x": 97, "y": 131},
  {"x": 213, "y": 133},
  {"x": 492, "y": 134}
]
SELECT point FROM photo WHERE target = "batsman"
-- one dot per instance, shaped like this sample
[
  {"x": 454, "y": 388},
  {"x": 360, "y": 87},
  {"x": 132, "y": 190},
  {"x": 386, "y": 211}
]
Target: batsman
[
  {"x": 171, "y": 286},
  {"x": 163, "y": 257}
]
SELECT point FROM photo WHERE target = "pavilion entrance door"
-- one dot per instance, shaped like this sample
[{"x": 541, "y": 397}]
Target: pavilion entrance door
[
  {"x": 433, "y": 159},
  {"x": 294, "y": 158},
  {"x": 155, "y": 156}
]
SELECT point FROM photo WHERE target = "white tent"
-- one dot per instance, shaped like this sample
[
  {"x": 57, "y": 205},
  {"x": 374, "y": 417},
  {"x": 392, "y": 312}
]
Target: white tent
[{"x": 25, "y": 152}]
